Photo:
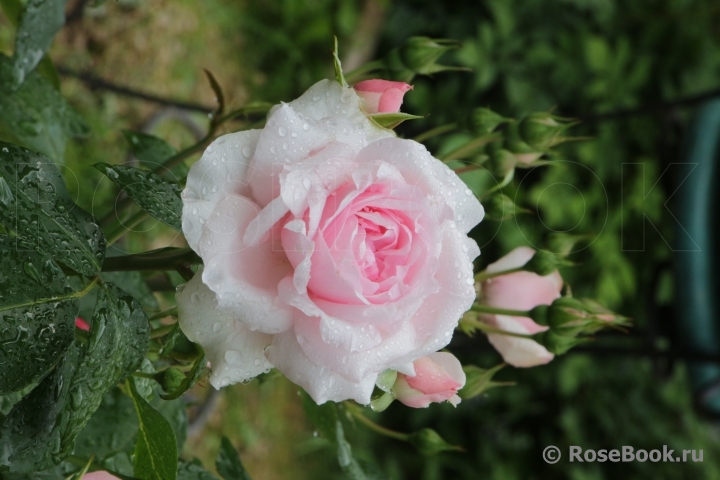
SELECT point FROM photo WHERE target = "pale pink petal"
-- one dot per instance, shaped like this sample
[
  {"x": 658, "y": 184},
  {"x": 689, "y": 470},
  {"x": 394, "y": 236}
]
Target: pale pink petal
[
  {"x": 321, "y": 383},
  {"x": 82, "y": 324},
  {"x": 244, "y": 278},
  {"x": 100, "y": 475},
  {"x": 431, "y": 376},
  {"x": 382, "y": 96},
  {"x": 222, "y": 170},
  {"x": 446, "y": 193},
  {"x": 234, "y": 351},
  {"x": 518, "y": 352}
]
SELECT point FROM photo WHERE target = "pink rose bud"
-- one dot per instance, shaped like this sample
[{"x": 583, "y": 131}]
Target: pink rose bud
[
  {"x": 518, "y": 291},
  {"x": 82, "y": 324},
  {"x": 382, "y": 96},
  {"x": 438, "y": 377},
  {"x": 99, "y": 476}
]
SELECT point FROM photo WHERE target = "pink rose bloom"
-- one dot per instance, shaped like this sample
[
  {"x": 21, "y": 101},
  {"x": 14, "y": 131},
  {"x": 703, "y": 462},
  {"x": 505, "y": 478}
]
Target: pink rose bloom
[
  {"x": 332, "y": 250},
  {"x": 381, "y": 96},
  {"x": 100, "y": 475},
  {"x": 81, "y": 324},
  {"x": 438, "y": 377},
  {"x": 518, "y": 291}
]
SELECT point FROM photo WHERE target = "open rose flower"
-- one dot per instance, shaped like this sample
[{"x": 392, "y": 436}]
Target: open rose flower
[
  {"x": 438, "y": 377},
  {"x": 332, "y": 250},
  {"x": 518, "y": 291}
]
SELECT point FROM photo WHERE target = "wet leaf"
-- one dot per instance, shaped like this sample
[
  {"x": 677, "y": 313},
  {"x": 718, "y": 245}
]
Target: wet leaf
[
  {"x": 42, "y": 217},
  {"x": 228, "y": 462},
  {"x": 392, "y": 120},
  {"x": 156, "y": 195},
  {"x": 193, "y": 471},
  {"x": 149, "y": 149},
  {"x": 37, "y": 315},
  {"x": 36, "y": 114},
  {"x": 39, "y": 23},
  {"x": 40, "y": 430},
  {"x": 156, "y": 454}
]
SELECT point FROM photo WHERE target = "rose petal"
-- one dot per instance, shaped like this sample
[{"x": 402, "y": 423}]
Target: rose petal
[
  {"x": 222, "y": 170},
  {"x": 321, "y": 383},
  {"x": 518, "y": 352},
  {"x": 234, "y": 351},
  {"x": 244, "y": 278},
  {"x": 443, "y": 187}
]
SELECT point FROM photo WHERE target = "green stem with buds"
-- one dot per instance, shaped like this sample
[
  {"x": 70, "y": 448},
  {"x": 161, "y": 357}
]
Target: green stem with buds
[
  {"x": 469, "y": 148},
  {"x": 485, "y": 328}
]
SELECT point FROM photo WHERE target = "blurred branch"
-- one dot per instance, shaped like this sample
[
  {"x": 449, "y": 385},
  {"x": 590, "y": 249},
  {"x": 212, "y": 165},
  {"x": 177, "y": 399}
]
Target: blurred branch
[{"x": 366, "y": 36}]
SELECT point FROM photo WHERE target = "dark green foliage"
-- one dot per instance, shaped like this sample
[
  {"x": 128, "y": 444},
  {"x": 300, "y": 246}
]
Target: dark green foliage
[
  {"x": 156, "y": 455},
  {"x": 228, "y": 462},
  {"x": 156, "y": 195},
  {"x": 35, "y": 114},
  {"x": 37, "y": 315},
  {"x": 40, "y": 215},
  {"x": 40, "y": 430}
]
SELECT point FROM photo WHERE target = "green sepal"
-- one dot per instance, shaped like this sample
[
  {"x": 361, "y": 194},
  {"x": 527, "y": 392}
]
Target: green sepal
[
  {"x": 392, "y": 120},
  {"x": 338, "y": 66}
]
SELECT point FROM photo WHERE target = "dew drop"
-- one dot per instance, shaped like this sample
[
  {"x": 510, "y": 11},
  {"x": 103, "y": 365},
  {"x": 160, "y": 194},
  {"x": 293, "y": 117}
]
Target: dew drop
[
  {"x": 282, "y": 131},
  {"x": 247, "y": 151},
  {"x": 306, "y": 127},
  {"x": 217, "y": 327}
]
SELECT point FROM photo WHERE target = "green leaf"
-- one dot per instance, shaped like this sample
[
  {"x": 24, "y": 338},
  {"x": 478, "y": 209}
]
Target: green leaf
[
  {"x": 193, "y": 471},
  {"x": 156, "y": 453},
  {"x": 392, "y": 120},
  {"x": 228, "y": 462},
  {"x": 192, "y": 377},
  {"x": 13, "y": 10},
  {"x": 156, "y": 195},
  {"x": 117, "y": 343},
  {"x": 36, "y": 114},
  {"x": 149, "y": 149},
  {"x": 338, "y": 66},
  {"x": 42, "y": 217},
  {"x": 133, "y": 284},
  {"x": 37, "y": 315},
  {"x": 40, "y": 22}
]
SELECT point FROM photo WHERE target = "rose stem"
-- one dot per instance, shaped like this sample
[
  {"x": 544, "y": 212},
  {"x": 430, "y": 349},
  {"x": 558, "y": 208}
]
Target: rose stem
[
  {"x": 500, "y": 311},
  {"x": 484, "y": 275},
  {"x": 374, "y": 426},
  {"x": 435, "y": 132}
]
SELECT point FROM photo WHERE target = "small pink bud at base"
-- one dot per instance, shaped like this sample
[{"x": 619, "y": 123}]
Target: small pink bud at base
[
  {"x": 381, "y": 96},
  {"x": 438, "y": 377},
  {"x": 99, "y": 476},
  {"x": 82, "y": 325}
]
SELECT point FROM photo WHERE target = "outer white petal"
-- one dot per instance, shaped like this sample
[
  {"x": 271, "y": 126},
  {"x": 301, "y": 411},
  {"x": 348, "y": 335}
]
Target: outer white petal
[
  {"x": 321, "y": 383},
  {"x": 518, "y": 352},
  {"x": 244, "y": 278},
  {"x": 234, "y": 351},
  {"x": 222, "y": 170},
  {"x": 442, "y": 186},
  {"x": 327, "y": 98}
]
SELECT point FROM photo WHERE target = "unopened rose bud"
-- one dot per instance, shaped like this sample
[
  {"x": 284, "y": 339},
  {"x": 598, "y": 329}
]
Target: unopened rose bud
[
  {"x": 170, "y": 379},
  {"x": 484, "y": 120},
  {"x": 428, "y": 442},
  {"x": 479, "y": 381},
  {"x": 544, "y": 263},
  {"x": 100, "y": 475},
  {"x": 558, "y": 344},
  {"x": 438, "y": 377},
  {"x": 524, "y": 153},
  {"x": 542, "y": 130},
  {"x": 499, "y": 206},
  {"x": 381, "y": 96},
  {"x": 519, "y": 291},
  {"x": 82, "y": 324},
  {"x": 419, "y": 54},
  {"x": 570, "y": 316},
  {"x": 501, "y": 162}
]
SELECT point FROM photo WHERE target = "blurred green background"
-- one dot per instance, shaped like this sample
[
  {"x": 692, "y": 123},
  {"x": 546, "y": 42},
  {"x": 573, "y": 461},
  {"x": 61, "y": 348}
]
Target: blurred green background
[{"x": 582, "y": 58}]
